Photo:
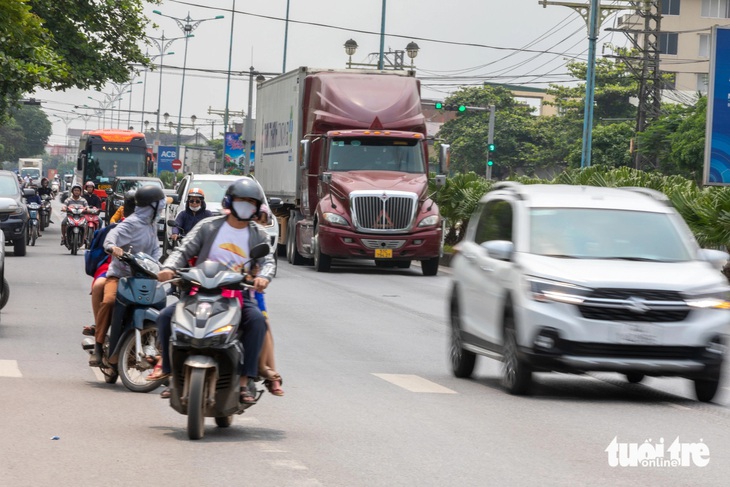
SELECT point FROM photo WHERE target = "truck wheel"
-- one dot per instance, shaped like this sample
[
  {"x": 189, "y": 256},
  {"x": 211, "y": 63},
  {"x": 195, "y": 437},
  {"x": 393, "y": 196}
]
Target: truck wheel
[
  {"x": 5, "y": 296},
  {"x": 296, "y": 257},
  {"x": 322, "y": 262},
  {"x": 19, "y": 246},
  {"x": 430, "y": 267}
]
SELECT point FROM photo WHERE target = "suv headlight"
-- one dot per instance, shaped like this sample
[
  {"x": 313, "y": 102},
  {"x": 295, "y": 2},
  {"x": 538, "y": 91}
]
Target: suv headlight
[
  {"x": 335, "y": 219},
  {"x": 545, "y": 290},
  {"x": 429, "y": 221},
  {"x": 717, "y": 300}
]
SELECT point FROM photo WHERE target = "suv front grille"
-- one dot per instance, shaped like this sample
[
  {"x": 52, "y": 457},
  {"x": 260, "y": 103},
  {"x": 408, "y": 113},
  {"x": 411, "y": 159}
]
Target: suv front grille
[
  {"x": 383, "y": 212},
  {"x": 641, "y": 305}
]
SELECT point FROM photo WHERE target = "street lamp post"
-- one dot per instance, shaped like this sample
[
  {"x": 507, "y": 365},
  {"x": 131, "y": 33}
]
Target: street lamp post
[
  {"x": 144, "y": 88},
  {"x": 187, "y": 25},
  {"x": 163, "y": 44},
  {"x": 228, "y": 82},
  {"x": 382, "y": 37},
  {"x": 247, "y": 128},
  {"x": 397, "y": 62}
]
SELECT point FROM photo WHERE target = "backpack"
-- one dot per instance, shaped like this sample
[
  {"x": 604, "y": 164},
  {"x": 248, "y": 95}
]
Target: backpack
[{"x": 95, "y": 254}]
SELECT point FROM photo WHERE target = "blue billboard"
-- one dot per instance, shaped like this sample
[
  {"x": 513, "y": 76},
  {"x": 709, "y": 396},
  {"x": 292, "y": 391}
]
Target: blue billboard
[
  {"x": 717, "y": 132},
  {"x": 165, "y": 156}
]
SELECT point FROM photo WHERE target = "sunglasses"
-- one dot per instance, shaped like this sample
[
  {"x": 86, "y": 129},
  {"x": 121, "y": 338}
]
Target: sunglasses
[{"x": 195, "y": 201}]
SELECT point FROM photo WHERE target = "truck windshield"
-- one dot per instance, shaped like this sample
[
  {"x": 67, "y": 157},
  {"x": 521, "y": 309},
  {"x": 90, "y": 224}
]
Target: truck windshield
[
  {"x": 103, "y": 166},
  {"x": 376, "y": 154}
]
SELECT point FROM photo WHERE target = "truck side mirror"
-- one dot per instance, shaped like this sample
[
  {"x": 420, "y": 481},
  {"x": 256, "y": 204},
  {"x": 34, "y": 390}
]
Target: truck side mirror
[
  {"x": 444, "y": 158},
  {"x": 304, "y": 153},
  {"x": 326, "y": 177},
  {"x": 440, "y": 180}
]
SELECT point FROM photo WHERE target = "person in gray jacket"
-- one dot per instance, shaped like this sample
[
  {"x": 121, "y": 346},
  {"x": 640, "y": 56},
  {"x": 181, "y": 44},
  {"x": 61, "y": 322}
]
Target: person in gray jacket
[
  {"x": 227, "y": 239},
  {"x": 136, "y": 233}
]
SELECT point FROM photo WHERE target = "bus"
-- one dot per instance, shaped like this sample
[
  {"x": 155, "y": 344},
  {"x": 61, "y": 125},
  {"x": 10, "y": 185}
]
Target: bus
[{"x": 108, "y": 153}]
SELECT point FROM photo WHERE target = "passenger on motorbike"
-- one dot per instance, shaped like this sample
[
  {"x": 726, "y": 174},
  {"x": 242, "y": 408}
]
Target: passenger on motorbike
[
  {"x": 227, "y": 239},
  {"x": 45, "y": 188},
  {"x": 97, "y": 285},
  {"x": 90, "y": 197},
  {"x": 193, "y": 213},
  {"x": 126, "y": 209},
  {"x": 74, "y": 200},
  {"x": 138, "y": 232}
]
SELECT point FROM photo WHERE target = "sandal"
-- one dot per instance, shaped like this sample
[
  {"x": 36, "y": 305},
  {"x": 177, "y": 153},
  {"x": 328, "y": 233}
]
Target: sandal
[
  {"x": 273, "y": 385},
  {"x": 166, "y": 394},
  {"x": 247, "y": 397},
  {"x": 157, "y": 374},
  {"x": 89, "y": 330}
]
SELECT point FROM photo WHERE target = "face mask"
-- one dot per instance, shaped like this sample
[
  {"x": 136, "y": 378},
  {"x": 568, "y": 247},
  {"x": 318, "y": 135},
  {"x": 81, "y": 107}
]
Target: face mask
[
  {"x": 244, "y": 209},
  {"x": 194, "y": 209}
]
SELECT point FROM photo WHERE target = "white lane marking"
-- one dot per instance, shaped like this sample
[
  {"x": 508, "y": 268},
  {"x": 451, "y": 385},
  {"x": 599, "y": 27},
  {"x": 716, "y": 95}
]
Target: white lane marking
[
  {"x": 415, "y": 383},
  {"x": 9, "y": 368},
  {"x": 677, "y": 406},
  {"x": 290, "y": 464}
]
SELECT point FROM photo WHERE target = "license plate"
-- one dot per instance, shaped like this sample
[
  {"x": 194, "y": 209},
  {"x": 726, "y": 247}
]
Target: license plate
[
  {"x": 383, "y": 253},
  {"x": 638, "y": 333}
]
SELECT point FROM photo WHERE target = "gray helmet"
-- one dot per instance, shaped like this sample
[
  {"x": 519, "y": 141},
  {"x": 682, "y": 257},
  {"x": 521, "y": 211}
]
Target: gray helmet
[{"x": 147, "y": 195}]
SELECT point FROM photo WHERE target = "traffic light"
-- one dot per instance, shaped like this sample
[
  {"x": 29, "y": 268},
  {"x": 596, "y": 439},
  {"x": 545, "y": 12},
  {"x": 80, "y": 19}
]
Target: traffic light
[
  {"x": 491, "y": 147},
  {"x": 454, "y": 108}
]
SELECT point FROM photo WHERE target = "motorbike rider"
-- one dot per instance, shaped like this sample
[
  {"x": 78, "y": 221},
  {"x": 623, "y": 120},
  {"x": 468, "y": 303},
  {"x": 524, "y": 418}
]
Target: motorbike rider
[
  {"x": 90, "y": 197},
  {"x": 35, "y": 198},
  {"x": 138, "y": 232},
  {"x": 45, "y": 188},
  {"x": 194, "y": 212},
  {"x": 227, "y": 239},
  {"x": 74, "y": 200},
  {"x": 126, "y": 209}
]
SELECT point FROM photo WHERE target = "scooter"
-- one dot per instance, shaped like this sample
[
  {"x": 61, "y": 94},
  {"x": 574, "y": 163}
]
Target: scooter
[
  {"x": 205, "y": 352},
  {"x": 75, "y": 228},
  {"x": 33, "y": 223},
  {"x": 55, "y": 187},
  {"x": 45, "y": 211},
  {"x": 130, "y": 349},
  {"x": 93, "y": 223}
]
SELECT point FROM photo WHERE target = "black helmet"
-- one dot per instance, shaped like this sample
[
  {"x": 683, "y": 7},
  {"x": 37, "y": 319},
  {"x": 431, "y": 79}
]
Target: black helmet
[
  {"x": 129, "y": 204},
  {"x": 244, "y": 188},
  {"x": 147, "y": 195}
]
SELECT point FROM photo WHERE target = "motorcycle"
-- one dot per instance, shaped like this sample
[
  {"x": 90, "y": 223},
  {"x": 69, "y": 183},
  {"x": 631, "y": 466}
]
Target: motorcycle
[
  {"x": 55, "y": 187},
  {"x": 33, "y": 223},
  {"x": 205, "y": 352},
  {"x": 45, "y": 211},
  {"x": 75, "y": 228},
  {"x": 130, "y": 348},
  {"x": 93, "y": 223}
]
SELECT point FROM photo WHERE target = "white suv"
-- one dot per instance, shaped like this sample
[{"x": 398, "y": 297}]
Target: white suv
[{"x": 577, "y": 278}]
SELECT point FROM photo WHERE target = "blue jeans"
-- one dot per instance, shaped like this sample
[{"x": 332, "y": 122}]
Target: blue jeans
[{"x": 251, "y": 333}]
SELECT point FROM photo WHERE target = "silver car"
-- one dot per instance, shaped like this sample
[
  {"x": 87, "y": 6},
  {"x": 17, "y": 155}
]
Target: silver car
[{"x": 577, "y": 278}]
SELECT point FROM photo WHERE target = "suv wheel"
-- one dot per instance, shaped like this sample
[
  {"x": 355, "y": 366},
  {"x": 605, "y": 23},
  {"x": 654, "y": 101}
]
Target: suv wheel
[
  {"x": 462, "y": 361},
  {"x": 706, "y": 388},
  {"x": 516, "y": 373},
  {"x": 19, "y": 246}
]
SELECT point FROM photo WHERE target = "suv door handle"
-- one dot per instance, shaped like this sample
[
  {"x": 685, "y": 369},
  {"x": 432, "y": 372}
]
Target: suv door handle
[
  {"x": 486, "y": 268},
  {"x": 469, "y": 256}
]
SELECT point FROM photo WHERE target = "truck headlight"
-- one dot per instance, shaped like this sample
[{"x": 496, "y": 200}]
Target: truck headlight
[
  {"x": 429, "y": 221},
  {"x": 545, "y": 290},
  {"x": 335, "y": 219}
]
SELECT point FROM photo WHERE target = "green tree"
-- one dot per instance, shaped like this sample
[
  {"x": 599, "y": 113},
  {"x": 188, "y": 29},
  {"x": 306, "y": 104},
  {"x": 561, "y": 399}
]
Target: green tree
[
  {"x": 60, "y": 44},
  {"x": 25, "y": 133}
]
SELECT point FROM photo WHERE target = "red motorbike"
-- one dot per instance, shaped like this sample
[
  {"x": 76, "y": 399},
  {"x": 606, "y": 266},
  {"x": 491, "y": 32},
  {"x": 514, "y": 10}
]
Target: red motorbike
[
  {"x": 93, "y": 223},
  {"x": 75, "y": 228}
]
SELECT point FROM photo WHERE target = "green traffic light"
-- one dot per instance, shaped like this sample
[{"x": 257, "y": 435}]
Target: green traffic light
[
  {"x": 491, "y": 147},
  {"x": 439, "y": 105},
  {"x": 462, "y": 108},
  {"x": 490, "y": 163}
]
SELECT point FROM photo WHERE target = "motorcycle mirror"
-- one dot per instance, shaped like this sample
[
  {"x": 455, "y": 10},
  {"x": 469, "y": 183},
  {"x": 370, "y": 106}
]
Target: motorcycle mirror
[
  {"x": 171, "y": 223},
  {"x": 109, "y": 191},
  {"x": 261, "y": 250}
]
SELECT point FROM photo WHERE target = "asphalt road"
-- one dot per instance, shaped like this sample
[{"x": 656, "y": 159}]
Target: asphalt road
[{"x": 370, "y": 400}]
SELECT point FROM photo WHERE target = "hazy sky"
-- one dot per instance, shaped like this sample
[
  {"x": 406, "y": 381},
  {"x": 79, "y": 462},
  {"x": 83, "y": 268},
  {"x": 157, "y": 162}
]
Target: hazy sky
[{"x": 462, "y": 42}]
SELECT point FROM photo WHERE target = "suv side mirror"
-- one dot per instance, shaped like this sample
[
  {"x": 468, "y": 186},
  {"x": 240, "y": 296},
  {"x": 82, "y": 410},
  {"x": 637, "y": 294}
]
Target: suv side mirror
[
  {"x": 8, "y": 206},
  {"x": 275, "y": 203},
  {"x": 499, "y": 249}
]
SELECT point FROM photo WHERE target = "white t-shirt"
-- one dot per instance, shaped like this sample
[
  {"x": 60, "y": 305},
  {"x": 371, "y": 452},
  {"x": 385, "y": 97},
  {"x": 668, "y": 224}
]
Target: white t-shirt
[{"x": 231, "y": 247}]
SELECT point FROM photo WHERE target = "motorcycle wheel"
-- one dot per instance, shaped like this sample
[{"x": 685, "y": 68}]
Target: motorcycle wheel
[
  {"x": 196, "y": 419},
  {"x": 75, "y": 243},
  {"x": 224, "y": 421},
  {"x": 134, "y": 377},
  {"x": 33, "y": 235},
  {"x": 5, "y": 295}
]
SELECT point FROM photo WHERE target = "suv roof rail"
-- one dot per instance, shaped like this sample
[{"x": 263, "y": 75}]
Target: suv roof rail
[
  {"x": 652, "y": 193},
  {"x": 512, "y": 186}
]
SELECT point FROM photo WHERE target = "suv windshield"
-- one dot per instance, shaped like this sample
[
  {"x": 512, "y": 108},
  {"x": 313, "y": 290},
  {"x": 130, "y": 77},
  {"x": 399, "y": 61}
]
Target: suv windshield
[
  {"x": 376, "y": 154},
  {"x": 214, "y": 190},
  {"x": 606, "y": 234},
  {"x": 8, "y": 186}
]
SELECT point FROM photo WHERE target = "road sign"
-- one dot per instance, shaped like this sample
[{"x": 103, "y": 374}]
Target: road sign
[{"x": 177, "y": 164}]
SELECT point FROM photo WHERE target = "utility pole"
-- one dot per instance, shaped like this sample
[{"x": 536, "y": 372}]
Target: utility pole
[
  {"x": 247, "y": 128},
  {"x": 490, "y": 142},
  {"x": 594, "y": 15}
]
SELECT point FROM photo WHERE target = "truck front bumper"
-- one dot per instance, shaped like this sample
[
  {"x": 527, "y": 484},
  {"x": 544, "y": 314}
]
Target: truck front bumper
[{"x": 343, "y": 243}]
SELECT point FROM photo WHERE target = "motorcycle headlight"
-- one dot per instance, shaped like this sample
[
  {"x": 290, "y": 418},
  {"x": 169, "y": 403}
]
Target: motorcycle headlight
[
  {"x": 545, "y": 290},
  {"x": 223, "y": 330},
  {"x": 429, "y": 221},
  {"x": 335, "y": 219},
  {"x": 717, "y": 300}
]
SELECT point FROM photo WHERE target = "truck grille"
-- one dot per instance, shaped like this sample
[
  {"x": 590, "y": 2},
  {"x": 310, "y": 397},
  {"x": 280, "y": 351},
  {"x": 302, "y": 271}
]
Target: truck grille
[
  {"x": 642, "y": 305},
  {"x": 383, "y": 212}
]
